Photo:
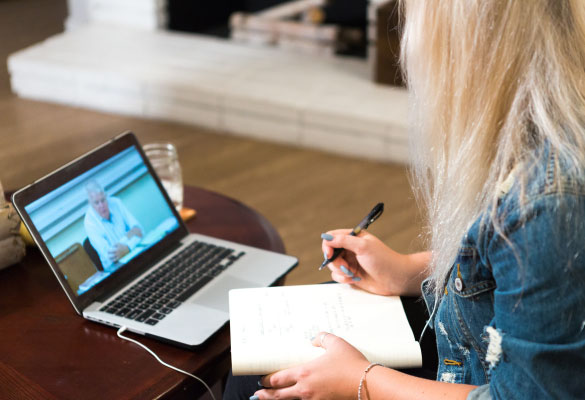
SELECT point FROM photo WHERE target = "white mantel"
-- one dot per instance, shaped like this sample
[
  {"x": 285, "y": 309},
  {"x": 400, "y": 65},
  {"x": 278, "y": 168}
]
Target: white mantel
[{"x": 265, "y": 93}]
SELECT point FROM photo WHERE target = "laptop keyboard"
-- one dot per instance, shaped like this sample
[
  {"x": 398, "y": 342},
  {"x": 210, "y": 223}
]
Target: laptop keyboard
[{"x": 156, "y": 295}]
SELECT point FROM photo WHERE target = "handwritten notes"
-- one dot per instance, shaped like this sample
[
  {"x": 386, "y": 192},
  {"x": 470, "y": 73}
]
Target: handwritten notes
[{"x": 271, "y": 328}]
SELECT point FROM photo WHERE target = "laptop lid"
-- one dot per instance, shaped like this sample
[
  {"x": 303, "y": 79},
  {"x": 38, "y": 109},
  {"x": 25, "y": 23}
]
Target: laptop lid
[{"x": 61, "y": 211}]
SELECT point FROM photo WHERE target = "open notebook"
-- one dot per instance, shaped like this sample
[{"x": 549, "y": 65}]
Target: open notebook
[{"x": 271, "y": 328}]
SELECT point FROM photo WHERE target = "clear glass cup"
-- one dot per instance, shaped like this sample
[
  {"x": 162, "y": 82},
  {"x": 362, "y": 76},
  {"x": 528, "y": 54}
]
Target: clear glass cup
[{"x": 165, "y": 161}]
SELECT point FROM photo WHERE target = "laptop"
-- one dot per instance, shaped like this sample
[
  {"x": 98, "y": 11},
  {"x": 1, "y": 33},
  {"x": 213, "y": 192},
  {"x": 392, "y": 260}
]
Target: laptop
[{"x": 124, "y": 257}]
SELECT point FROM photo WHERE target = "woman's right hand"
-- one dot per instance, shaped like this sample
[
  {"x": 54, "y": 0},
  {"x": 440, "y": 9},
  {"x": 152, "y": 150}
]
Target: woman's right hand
[{"x": 368, "y": 263}]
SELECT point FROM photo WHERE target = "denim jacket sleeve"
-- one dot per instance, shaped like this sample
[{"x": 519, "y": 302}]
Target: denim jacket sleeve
[
  {"x": 480, "y": 393},
  {"x": 536, "y": 340}
]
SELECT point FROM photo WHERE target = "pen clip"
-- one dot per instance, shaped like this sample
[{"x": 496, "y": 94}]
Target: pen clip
[{"x": 373, "y": 215}]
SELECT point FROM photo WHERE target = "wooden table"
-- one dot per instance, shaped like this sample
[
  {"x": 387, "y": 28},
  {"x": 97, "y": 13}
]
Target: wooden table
[{"x": 47, "y": 351}]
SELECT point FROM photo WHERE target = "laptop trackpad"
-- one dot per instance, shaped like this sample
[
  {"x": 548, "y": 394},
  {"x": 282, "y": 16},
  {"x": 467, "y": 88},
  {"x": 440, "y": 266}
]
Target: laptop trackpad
[{"x": 216, "y": 296}]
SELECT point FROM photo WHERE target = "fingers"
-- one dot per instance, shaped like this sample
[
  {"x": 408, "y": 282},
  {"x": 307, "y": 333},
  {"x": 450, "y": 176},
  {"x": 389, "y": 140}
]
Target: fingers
[
  {"x": 284, "y": 394},
  {"x": 136, "y": 231},
  {"x": 325, "y": 340},
  {"x": 279, "y": 379},
  {"x": 328, "y": 237},
  {"x": 341, "y": 238},
  {"x": 342, "y": 278},
  {"x": 342, "y": 272},
  {"x": 340, "y": 268},
  {"x": 338, "y": 262},
  {"x": 320, "y": 338}
]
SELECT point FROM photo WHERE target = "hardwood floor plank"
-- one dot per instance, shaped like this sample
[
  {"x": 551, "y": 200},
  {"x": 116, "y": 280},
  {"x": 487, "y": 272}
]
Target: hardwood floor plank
[{"x": 302, "y": 192}]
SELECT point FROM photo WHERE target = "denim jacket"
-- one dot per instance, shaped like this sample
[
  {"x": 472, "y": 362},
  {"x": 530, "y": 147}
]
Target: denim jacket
[{"x": 511, "y": 317}]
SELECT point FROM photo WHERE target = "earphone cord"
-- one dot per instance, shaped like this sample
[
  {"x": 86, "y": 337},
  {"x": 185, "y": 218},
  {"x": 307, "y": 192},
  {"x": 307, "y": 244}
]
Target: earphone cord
[{"x": 435, "y": 306}]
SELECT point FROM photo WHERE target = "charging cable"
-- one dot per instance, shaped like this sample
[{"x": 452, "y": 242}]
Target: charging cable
[{"x": 123, "y": 328}]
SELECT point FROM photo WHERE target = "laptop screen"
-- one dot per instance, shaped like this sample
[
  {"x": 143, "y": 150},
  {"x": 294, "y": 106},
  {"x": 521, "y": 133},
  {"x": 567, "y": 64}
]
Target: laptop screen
[{"x": 95, "y": 223}]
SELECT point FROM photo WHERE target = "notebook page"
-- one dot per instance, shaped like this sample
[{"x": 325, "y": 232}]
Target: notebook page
[{"x": 271, "y": 328}]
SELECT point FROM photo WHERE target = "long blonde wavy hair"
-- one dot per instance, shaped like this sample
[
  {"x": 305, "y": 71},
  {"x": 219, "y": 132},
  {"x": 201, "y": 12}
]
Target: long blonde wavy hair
[{"x": 491, "y": 81}]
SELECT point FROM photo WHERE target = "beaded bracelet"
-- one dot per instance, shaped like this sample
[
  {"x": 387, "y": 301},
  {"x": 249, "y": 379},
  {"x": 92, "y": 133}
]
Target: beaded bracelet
[{"x": 363, "y": 380}]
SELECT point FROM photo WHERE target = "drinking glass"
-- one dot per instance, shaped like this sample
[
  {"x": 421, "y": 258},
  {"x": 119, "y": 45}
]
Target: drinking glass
[{"x": 165, "y": 161}]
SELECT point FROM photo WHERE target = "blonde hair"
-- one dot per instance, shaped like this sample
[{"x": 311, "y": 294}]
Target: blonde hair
[{"x": 491, "y": 81}]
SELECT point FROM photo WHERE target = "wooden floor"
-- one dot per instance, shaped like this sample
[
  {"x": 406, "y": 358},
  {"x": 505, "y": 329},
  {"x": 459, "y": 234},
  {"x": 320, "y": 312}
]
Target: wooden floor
[{"x": 302, "y": 192}]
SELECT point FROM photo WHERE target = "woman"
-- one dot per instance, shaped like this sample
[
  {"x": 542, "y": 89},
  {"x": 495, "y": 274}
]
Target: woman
[{"x": 499, "y": 162}]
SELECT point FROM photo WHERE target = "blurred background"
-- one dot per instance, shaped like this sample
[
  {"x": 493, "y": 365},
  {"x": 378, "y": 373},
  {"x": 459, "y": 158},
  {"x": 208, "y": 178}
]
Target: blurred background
[
  {"x": 294, "y": 108},
  {"x": 288, "y": 113}
]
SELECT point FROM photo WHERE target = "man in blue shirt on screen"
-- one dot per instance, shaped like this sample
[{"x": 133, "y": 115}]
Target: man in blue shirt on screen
[{"x": 112, "y": 230}]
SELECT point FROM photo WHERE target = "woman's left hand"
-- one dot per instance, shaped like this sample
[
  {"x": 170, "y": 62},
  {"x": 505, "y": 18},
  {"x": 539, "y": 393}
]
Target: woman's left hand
[{"x": 334, "y": 375}]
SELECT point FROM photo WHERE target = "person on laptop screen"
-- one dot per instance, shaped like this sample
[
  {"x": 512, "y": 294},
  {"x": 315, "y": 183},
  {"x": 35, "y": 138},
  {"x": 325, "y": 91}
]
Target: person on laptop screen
[{"x": 112, "y": 230}]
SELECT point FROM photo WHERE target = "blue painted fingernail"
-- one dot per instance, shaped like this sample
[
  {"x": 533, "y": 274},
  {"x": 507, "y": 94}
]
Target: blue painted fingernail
[
  {"x": 356, "y": 279},
  {"x": 325, "y": 255},
  {"x": 260, "y": 385},
  {"x": 254, "y": 397},
  {"x": 326, "y": 236},
  {"x": 346, "y": 271}
]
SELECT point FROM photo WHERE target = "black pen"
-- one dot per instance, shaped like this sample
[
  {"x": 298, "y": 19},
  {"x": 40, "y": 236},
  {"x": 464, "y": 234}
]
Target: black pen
[{"x": 371, "y": 217}]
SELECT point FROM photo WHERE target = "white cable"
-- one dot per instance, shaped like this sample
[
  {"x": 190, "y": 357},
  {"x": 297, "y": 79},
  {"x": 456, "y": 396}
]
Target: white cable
[
  {"x": 123, "y": 328},
  {"x": 435, "y": 306}
]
